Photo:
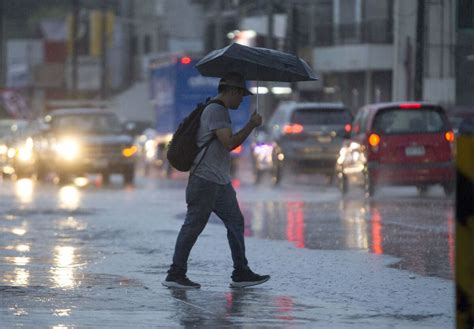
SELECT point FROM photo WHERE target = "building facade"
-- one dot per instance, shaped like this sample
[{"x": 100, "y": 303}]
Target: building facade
[{"x": 364, "y": 50}]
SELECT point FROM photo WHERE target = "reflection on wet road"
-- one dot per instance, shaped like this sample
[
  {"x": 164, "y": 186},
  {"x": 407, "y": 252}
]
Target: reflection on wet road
[
  {"x": 38, "y": 243},
  {"x": 75, "y": 255},
  {"x": 419, "y": 231}
]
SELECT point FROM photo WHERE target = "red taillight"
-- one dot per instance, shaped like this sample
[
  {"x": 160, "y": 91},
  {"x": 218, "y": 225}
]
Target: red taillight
[
  {"x": 410, "y": 106},
  {"x": 449, "y": 135},
  {"x": 185, "y": 60},
  {"x": 348, "y": 128},
  {"x": 374, "y": 140},
  {"x": 294, "y": 128},
  {"x": 237, "y": 150}
]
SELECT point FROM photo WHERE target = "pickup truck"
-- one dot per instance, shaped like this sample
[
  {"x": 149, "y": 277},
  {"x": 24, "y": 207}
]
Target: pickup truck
[{"x": 79, "y": 141}]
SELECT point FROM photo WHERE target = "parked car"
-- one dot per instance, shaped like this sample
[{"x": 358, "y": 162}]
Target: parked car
[
  {"x": 303, "y": 137},
  {"x": 398, "y": 144},
  {"x": 83, "y": 140}
]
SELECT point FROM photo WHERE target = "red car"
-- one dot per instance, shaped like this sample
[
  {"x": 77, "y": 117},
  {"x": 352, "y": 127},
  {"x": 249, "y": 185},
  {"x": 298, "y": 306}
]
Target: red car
[{"x": 398, "y": 144}]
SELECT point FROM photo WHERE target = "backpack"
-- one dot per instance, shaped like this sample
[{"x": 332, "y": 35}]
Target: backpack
[{"x": 183, "y": 148}]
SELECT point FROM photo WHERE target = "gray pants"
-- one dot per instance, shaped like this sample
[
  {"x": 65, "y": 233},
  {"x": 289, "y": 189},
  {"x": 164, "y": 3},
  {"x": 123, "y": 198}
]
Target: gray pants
[{"x": 204, "y": 197}]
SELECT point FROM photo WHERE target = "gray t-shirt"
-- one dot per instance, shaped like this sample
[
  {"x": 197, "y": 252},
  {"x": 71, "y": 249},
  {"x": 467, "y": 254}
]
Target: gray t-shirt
[{"x": 215, "y": 166}]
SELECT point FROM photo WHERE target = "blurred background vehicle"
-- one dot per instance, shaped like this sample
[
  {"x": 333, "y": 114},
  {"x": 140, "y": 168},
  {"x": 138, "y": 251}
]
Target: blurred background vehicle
[
  {"x": 11, "y": 131},
  {"x": 301, "y": 136},
  {"x": 83, "y": 140},
  {"x": 398, "y": 144},
  {"x": 456, "y": 117},
  {"x": 136, "y": 127}
]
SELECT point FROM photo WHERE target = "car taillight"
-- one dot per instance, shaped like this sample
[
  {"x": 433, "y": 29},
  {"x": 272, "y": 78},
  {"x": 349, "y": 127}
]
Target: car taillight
[
  {"x": 186, "y": 60},
  {"x": 348, "y": 128},
  {"x": 237, "y": 150},
  {"x": 294, "y": 128},
  {"x": 374, "y": 140},
  {"x": 410, "y": 106},
  {"x": 449, "y": 135}
]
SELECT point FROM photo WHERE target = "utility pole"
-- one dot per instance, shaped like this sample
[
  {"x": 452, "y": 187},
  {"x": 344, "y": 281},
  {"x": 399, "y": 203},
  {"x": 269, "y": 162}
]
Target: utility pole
[
  {"x": 270, "y": 25},
  {"x": 419, "y": 49},
  {"x": 103, "y": 58},
  {"x": 291, "y": 43},
  {"x": 2, "y": 47},
  {"x": 131, "y": 43},
  {"x": 75, "y": 23},
  {"x": 269, "y": 43},
  {"x": 218, "y": 25}
]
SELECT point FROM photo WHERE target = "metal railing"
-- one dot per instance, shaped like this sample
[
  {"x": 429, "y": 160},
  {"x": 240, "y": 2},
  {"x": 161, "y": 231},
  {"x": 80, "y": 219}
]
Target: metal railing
[{"x": 373, "y": 31}]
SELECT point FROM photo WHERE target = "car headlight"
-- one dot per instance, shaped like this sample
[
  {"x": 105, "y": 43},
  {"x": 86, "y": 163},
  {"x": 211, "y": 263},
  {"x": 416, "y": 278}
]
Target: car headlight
[
  {"x": 24, "y": 154},
  {"x": 68, "y": 149},
  {"x": 3, "y": 149}
]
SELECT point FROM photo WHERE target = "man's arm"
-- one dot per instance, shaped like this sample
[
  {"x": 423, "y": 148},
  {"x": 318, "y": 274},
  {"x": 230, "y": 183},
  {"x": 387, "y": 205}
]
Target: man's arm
[{"x": 231, "y": 141}]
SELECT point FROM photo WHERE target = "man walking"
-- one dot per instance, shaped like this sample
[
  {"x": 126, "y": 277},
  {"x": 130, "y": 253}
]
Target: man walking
[{"x": 210, "y": 190}]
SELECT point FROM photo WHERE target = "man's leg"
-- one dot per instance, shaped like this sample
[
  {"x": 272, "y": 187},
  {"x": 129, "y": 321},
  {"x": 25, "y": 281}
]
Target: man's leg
[
  {"x": 227, "y": 208},
  {"x": 200, "y": 197}
]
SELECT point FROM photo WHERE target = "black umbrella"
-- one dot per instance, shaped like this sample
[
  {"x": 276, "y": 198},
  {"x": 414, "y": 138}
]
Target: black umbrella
[
  {"x": 254, "y": 63},
  {"x": 261, "y": 64}
]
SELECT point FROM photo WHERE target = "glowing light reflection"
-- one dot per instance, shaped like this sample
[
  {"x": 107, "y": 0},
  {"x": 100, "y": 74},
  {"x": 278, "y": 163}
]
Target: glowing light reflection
[
  {"x": 24, "y": 190},
  {"x": 19, "y": 248},
  {"x": 377, "y": 232},
  {"x": 19, "y": 278},
  {"x": 19, "y": 231},
  {"x": 295, "y": 224},
  {"x": 69, "y": 197},
  {"x": 19, "y": 261},
  {"x": 71, "y": 223},
  {"x": 63, "y": 272},
  {"x": 81, "y": 181},
  {"x": 62, "y": 312}
]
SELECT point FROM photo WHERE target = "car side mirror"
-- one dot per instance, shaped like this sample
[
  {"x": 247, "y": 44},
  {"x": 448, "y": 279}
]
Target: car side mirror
[
  {"x": 44, "y": 127},
  {"x": 129, "y": 128}
]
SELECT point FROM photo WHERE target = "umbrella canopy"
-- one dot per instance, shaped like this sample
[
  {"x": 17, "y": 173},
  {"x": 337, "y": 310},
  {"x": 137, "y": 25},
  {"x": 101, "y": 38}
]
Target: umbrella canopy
[{"x": 261, "y": 64}]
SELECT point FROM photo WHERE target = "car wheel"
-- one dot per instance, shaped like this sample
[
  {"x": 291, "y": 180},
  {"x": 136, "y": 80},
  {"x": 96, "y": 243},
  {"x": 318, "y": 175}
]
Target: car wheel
[
  {"x": 105, "y": 178},
  {"x": 330, "y": 179},
  {"x": 277, "y": 174},
  {"x": 369, "y": 186},
  {"x": 257, "y": 176},
  {"x": 41, "y": 173},
  {"x": 168, "y": 170},
  {"x": 422, "y": 190},
  {"x": 21, "y": 175},
  {"x": 128, "y": 176},
  {"x": 5, "y": 175},
  {"x": 448, "y": 189},
  {"x": 343, "y": 185},
  {"x": 64, "y": 179},
  {"x": 277, "y": 169}
]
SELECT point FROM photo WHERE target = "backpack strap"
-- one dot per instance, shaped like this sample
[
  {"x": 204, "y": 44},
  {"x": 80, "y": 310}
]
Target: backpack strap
[{"x": 208, "y": 143}]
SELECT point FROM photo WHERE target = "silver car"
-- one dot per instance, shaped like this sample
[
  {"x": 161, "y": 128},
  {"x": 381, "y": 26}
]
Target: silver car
[{"x": 304, "y": 136}]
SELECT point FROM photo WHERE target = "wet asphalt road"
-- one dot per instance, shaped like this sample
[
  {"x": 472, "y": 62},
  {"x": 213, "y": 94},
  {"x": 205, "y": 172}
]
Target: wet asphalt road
[{"x": 51, "y": 233}]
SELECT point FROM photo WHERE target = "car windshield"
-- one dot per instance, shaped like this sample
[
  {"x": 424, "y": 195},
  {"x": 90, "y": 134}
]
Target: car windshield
[
  {"x": 402, "y": 121},
  {"x": 318, "y": 116},
  {"x": 89, "y": 123},
  {"x": 11, "y": 128}
]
